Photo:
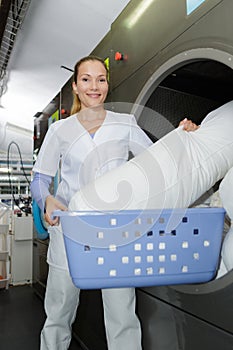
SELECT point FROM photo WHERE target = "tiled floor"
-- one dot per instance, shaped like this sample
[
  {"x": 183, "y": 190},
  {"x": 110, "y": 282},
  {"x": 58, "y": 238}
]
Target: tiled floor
[{"x": 21, "y": 319}]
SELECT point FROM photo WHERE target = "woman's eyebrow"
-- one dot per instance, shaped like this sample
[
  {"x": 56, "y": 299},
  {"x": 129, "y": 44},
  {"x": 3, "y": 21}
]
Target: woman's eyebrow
[
  {"x": 100, "y": 75},
  {"x": 84, "y": 74}
]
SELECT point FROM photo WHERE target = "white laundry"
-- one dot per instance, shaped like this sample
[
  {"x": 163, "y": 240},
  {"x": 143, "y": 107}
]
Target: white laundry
[
  {"x": 226, "y": 195},
  {"x": 173, "y": 172}
]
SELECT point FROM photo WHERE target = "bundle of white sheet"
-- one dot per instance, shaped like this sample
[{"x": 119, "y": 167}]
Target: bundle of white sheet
[
  {"x": 226, "y": 195},
  {"x": 172, "y": 173}
]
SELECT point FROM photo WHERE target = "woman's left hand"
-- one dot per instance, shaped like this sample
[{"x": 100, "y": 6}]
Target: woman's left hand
[{"x": 188, "y": 125}]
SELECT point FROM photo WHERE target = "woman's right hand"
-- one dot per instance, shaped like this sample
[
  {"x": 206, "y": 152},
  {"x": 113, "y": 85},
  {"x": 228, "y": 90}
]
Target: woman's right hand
[
  {"x": 189, "y": 125},
  {"x": 52, "y": 204}
]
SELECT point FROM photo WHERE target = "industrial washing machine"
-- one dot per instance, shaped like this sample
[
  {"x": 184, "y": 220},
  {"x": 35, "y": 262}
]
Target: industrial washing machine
[{"x": 169, "y": 60}]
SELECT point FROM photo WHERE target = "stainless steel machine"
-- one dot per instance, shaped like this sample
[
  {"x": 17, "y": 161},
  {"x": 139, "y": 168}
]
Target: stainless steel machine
[{"x": 177, "y": 65}]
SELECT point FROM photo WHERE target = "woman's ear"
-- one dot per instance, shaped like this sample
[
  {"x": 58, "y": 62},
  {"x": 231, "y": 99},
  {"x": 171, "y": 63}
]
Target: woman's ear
[{"x": 74, "y": 86}]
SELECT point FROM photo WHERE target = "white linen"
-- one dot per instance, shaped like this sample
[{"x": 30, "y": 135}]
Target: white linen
[
  {"x": 226, "y": 195},
  {"x": 173, "y": 172}
]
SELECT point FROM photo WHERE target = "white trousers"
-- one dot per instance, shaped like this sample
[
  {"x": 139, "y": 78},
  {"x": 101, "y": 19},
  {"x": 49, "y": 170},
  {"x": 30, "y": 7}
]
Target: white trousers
[{"x": 61, "y": 301}]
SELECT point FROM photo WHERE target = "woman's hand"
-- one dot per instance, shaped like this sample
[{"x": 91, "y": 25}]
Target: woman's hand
[
  {"x": 52, "y": 204},
  {"x": 188, "y": 125}
]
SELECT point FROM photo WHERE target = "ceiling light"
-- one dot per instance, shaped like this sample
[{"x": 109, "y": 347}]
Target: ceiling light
[
  {"x": 5, "y": 170},
  {"x": 138, "y": 12}
]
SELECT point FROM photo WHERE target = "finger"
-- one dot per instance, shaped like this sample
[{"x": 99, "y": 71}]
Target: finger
[
  {"x": 55, "y": 222},
  {"x": 190, "y": 126},
  {"x": 186, "y": 125},
  {"x": 51, "y": 221},
  {"x": 183, "y": 122},
  {"x": 63, "y": 207}
]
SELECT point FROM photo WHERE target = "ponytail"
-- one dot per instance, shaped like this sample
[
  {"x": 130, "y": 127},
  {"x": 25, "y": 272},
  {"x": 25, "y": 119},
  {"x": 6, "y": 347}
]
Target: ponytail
[{"x": 76, "y": 106}]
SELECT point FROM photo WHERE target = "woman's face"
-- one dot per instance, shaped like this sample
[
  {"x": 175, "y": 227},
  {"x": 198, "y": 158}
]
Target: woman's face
[{"x": 92, "y": 84}]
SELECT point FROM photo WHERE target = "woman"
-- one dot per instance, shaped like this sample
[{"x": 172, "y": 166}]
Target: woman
[{"x": 89, "y": 143}]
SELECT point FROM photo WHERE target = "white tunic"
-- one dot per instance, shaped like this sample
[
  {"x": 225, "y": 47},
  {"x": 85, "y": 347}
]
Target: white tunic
[{"x": 82, "y": 159}]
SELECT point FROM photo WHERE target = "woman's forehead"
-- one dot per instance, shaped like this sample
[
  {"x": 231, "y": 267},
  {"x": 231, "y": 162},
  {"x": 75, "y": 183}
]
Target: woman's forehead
[{"x": 90, "y": 67}]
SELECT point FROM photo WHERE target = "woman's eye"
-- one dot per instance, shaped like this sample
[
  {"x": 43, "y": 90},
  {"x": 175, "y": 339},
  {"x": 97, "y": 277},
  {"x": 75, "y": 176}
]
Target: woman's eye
[
  {"x": 84, "y": 79},
  {"x": 102, "y": 80}
]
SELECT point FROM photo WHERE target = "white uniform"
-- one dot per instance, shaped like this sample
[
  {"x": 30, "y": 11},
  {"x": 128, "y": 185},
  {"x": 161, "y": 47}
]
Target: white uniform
[{"x": 83, "y": 159}]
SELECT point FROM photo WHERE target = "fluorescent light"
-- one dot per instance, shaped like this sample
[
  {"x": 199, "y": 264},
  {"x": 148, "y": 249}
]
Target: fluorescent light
[
  {"x": 5, "y": 170},
  {"x": 18, "y": 129},
  {"x": 138, "y": 12}
]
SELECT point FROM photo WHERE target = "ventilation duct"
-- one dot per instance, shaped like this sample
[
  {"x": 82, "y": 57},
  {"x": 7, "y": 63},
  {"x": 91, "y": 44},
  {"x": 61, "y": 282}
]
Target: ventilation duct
[{"x": 13, "y": 133}]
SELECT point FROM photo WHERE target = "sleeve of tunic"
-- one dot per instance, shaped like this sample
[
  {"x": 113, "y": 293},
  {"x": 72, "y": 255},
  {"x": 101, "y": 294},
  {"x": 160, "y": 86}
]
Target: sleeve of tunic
[
  {"x": 40, "y": 188},
  {"x": 49, "y": 155}
]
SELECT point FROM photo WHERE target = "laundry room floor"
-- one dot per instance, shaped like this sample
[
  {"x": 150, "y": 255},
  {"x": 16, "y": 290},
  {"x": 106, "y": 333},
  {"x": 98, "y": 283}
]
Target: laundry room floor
[{"x": 21, "y": 319}]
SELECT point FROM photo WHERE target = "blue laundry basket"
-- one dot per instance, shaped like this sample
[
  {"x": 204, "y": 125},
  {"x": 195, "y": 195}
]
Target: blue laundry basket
[{"x": 136, "y": 248}]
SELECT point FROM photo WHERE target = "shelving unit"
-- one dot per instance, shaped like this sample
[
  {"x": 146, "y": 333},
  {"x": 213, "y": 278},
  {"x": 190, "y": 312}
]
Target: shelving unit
[
  {"x": 5, "y": 211},
  {"x": 4, "y": 256}
]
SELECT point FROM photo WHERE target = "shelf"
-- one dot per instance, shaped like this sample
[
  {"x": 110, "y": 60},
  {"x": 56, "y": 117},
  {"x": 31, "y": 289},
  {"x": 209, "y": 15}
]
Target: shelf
[
  {"x": 4, "y": 255},
  {"x": 4, "y": 229},
  {"x": 4, "y": 283}
]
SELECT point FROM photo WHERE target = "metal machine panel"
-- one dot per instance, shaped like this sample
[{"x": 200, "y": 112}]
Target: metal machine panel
[
  {"x": 143, "y": 37},
  {"x": 146, "y": 53},
  {"x": 210, "y": 302},
  {"x": 21, "y": 245},
  {"x": 167, "y": 327}
]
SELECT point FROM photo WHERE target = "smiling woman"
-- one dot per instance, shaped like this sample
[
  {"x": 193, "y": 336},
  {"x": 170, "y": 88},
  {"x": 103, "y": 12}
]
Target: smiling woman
[
  {"x": 89, "y": 143},
  {"x": 90, "y": 87}
]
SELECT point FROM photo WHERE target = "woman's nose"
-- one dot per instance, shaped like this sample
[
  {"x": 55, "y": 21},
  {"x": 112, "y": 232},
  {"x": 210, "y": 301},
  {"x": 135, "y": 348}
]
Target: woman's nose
[{"x": 94, "y": 85}]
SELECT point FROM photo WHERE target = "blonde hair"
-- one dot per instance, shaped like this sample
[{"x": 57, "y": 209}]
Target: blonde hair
[{"x": 76, "y": 106}]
